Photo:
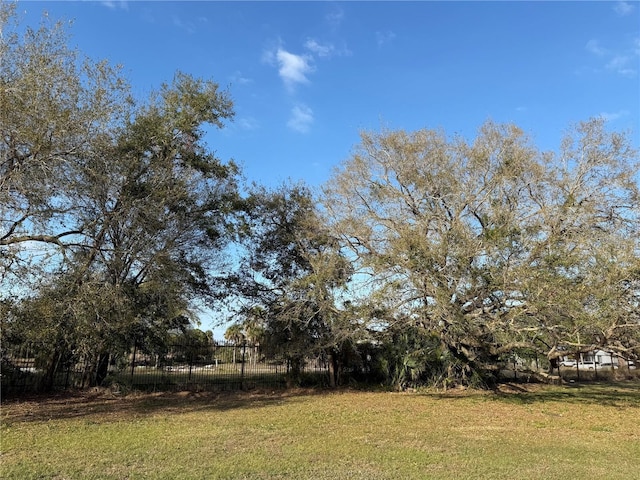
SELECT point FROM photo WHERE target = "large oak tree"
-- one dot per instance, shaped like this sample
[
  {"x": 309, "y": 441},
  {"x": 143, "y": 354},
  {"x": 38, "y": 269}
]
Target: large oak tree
[
  {"x": 493, "y": 246},
  {"x": 113, "y": 212}
]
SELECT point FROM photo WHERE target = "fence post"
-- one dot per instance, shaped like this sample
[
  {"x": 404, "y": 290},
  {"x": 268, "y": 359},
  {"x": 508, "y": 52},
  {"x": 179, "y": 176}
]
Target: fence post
[
  {"x": 244, "y": 347},
  {"x": 66, "y": 378},
  {"x": 133, "y": 359},
  {"x": 190, "y": 351}
]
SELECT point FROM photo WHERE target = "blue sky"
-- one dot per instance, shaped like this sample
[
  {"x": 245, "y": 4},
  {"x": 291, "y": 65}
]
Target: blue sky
[{"x": 306, "y": 77}]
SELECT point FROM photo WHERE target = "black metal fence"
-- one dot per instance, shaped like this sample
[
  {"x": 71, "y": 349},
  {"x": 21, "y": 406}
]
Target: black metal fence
[
  {"x": 182, "y": 365},
  {"x": 178, "y": 366},
  {"x": 528, "y": 368}
]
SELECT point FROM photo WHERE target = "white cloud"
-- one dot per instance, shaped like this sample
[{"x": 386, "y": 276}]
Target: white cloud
[
  {"x": 240, "y": 79},
  {"x": 610, "y": 117},
  {"x": 292, "y": 68},
  {"x": 319, "y": 49},
  {"x": 269, "y": 56},
  {"x": 326, "y": 50},
  {"x": 248, "y": 123},
  {"x": 622, "y": 62},
  {"x": 623, "y": 8},
  {"x": 187, "y": 26},
  {"x": 593, "y": 46},
  {"x": 384, "y": 37},
  {"x": 116, "y": 4},
  {"x": 335, "y": 18},
  {"x": 301, "y": 118}
]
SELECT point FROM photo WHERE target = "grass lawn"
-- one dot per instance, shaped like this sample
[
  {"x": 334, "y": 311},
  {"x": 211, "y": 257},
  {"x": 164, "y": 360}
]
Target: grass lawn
[{"x": 543, "y": 432}]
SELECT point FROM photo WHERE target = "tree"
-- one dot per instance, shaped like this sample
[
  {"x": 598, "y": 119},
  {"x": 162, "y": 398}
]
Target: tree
[
  {"x": 162, "y": 203},
  {"x": 292, "y": 274},
  {"x": 587, "y": 251},
  {"x": 235, "y": 335},
  {"x": 494, "y": 246},
  {"x": 136, "y": 206},
  {"x": 55, "y": 108},
  {"x": 253, "y": 327}
]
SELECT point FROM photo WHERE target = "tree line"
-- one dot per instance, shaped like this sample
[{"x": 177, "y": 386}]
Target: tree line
[{"x": 442, "y": 255}]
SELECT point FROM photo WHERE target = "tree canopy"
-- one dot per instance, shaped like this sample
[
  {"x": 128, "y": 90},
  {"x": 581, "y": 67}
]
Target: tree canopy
[
  {"x": 439, "y": 252},
  {"x": 494, "y": 246},
  {"x": 112, "y": 212},
  {"x": 291, "y": 275}
]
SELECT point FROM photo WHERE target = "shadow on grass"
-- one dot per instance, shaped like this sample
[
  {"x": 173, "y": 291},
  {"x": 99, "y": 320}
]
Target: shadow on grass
[
  {"x": 107, "y": 406},
  {"x": 618, "y": 394},
  {"x": 622, "y": 394}
]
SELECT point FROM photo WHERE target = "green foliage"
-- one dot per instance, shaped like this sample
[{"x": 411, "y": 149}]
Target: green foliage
[
  {"x": 290, "y": 275},
  {"x": 406, "y": 358},
  {"x": 454, "y": 254},
  {"x": 130, "y": 207},
  {"x": 493, "y": 246}
]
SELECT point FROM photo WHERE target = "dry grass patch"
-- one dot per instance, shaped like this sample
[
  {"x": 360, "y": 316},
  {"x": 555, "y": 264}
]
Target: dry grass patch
[{"x": 539, "y": 432}]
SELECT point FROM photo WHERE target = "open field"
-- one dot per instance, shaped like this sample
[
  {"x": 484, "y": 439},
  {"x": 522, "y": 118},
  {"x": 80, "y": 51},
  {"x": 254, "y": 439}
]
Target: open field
[{"x": 578, "y": 431}]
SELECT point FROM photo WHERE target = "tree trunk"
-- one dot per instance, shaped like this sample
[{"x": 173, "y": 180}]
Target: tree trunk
[
  {"x": 52, "y": 368},
  {"x": 102, "y": 368},
  {"x": 333, "y": 370},
  {"x": 295, "y": 372}
]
